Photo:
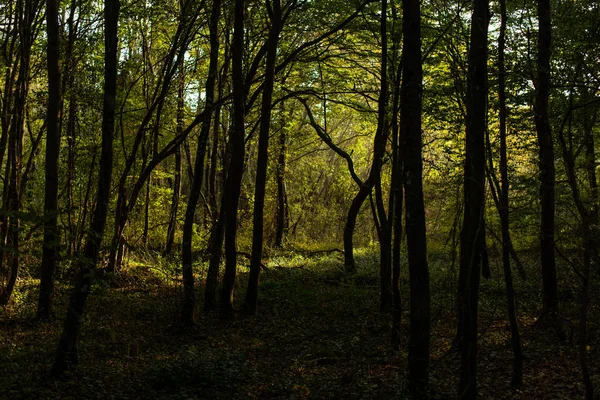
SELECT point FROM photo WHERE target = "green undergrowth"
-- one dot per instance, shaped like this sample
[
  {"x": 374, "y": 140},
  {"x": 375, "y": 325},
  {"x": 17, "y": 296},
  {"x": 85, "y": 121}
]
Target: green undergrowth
[{"x": 317, "y": 334}]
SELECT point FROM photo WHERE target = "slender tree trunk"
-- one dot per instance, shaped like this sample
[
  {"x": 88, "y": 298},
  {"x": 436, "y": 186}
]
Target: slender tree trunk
[
  {"x": 69, "y": 86},
  {"x": 515, "y": 339},
  {"x": 189, "y": 296},
  {"x": 214, "y": 250},
  {"x": 410, "y": 130},
  {"x": 472, "y": 234},
  {"x": 218, "y": 229},
  {"x": 251, "y": 299},
  {"x": 282, "y": 210},
  {"x": 66, "y": 355},
  {"x": 236, "y": 162},
  {"x": 51, "y": 235},
  {"x": 547, "y": 169},
  {"x": 27, "y": 14},
  {"x": 174, "y": 204},
  {"x": 385, "y": 245},
  {"x": 589, "y": 221},
  {"x": 396, "y": 205}
]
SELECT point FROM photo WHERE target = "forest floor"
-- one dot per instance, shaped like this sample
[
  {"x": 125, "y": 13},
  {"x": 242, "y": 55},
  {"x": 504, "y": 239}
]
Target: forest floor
[{"x": 318, "y": 335}]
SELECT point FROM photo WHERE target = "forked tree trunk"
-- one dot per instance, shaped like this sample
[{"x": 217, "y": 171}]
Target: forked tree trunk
[{"x": 189, "y": 295}]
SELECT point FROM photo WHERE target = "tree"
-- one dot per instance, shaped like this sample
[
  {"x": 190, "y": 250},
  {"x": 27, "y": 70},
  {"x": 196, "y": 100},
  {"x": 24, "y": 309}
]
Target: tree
[
  {"x": 66, "y": 355},
  {"x": 250, "y": 302},
  {"x": 186, "y": 248},
  {"x": 515, "y": 340},
  {"x": 547, "y": 169},
  {"x": 51, "y": 235},
  {"x": 472, "y": 234},
  {"x": 410, "y": 132},
  {"x": 233, "y": 183}
]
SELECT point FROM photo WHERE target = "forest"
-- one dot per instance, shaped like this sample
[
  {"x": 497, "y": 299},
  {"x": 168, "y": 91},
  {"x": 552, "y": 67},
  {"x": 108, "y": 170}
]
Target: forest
[{"x": 299, "y": 199}]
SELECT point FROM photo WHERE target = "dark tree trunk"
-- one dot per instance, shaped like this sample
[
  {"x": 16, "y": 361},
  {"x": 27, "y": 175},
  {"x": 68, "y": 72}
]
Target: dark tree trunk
[
  {"x": 588, "y": 212},
  {"x": 473, "y": 231},
  {"x": 251, "y": 299},
  {"x": 410, "y": 131},
  {"x": 27, "y": 15},
  {"x": 214, "y": 250},
  {"x": 396, "y": 196},
  {"x": 218, "y": 229},
  {"x": 66, "y": 355},
  {"x": 177, "y": 181},
  {"x": 189, "y": 299},
  {"x": 69, "y": 86},
  {"x": 125, "y": 204},
  {"x": 282, "y": 220},
  {"x": 385, "y": 244},
  {"x": 174, "y": 204},
  {"x": 236, "y": 161},
  {"x": 51, "y": 235},
  {"x": 547, "y": 169},
  {"x": 515, "y": 340}
]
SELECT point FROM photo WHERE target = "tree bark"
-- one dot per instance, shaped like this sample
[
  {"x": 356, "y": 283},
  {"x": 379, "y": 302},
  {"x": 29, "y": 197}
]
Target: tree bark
[
  {"x": 547, "y": 169},
  {"x": 236, "y": 161},
  {"x": 472, "y": 234},
  {"x": 189, "y": 295},
  {"x": 282, "y": 220},
  {"x": 410, "y": 130},
  {"x": 66, "y": 355},
  {"x": 515, "y": 340},
  {"x": 51, "y": 235},
  {"x": 251, "y": 299}
]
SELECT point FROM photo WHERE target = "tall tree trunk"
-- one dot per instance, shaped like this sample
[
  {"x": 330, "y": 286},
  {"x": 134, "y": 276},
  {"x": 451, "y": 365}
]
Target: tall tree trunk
[
  {"x": 374, "y": 180},
  {"x": 410, "y": 130},
  {"x": 51, "y": 235},
  {"x": 189, "y": 296},
  {"x": 236, "y": 161},
  {"x": 589, "y": 221},
  {"x": 547, "y": 169},
  {"x": 282, "y": 220},
  {"x": 27, "y": 15},
  {"x": 251, "y": 299},
  {"x": 396, "y": 196},
  {"x": 66, "y": 355},
  {"x": 69, "y": 87},
  {"x": 385, "y": 245},
  {"x": 174, "y": 204},
  {"x": 515, "y": 339},
  {"x": 218, "y": 228},
  {"x": 472, "y": 234}
]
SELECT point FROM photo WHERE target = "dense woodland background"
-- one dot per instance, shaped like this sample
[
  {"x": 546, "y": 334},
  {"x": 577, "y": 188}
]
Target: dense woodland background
[{"x": 299, "y": 199}]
